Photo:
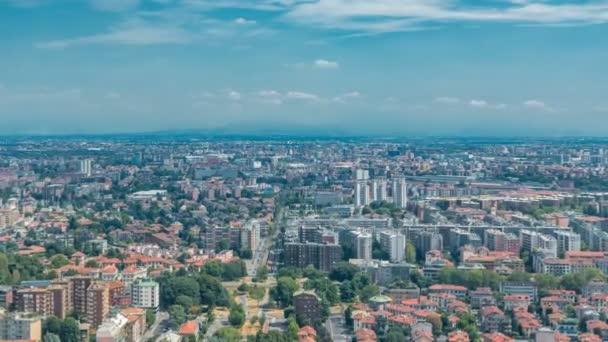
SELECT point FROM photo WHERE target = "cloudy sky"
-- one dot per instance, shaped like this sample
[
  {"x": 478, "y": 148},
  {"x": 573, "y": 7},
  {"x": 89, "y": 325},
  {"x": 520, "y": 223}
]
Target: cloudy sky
[{"x": 454, "y": 67}]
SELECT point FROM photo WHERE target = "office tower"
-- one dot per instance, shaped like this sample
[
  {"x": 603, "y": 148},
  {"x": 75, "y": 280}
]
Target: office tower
[
  {"x": 362, "y": 174},
  {"x": 146, "y": 294},
  {"x": 379, "y": 189},
  {"x": 394, "y": 244},
  {"x": 322, "y": 256},
  {"x": 497, "y": 240},
  {"x": 568, "y": 241},
  {"x": 250, "y": 236},
  {"x": 361, "y": 194},
  {"x": 85, "y": 167},
  {"x": 363, "y": 244},
  {"x": 400, "y": 192},
  {"x": 18, "y": 327},
  {"x": 98, "y": 307},
  {"x": 428, "y": 241}
]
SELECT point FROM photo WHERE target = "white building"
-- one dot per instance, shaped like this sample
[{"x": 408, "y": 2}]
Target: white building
[
  {"x": 250, "y": 235},
  {"x": 394, "y": 244},
  {"x": 531, "y": 241},
  {"x": 364, "y": 245},
  {"x": 568, "y": 241},
  {"x": 85, "y": 167},
  {"x": 145, "y": 294},
  {"x": 400, "y": 192},
  {"x": 362, "y": 174},
  {"x": 378, "y": 189},
  {"x": 362, "y": 197}
]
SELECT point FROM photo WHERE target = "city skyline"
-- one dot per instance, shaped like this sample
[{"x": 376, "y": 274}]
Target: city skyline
[{"x": 384, "y": 67}]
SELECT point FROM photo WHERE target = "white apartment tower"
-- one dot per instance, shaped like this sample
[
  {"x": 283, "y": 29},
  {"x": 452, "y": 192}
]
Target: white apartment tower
[
  {"x": 85, "y": 167},
  {"x": 364, "y": 246},
  {"x": 379, "y": 189},
  {"x": 568, "y": 241},
  {"x": 394, "y": 244},
  {"x": 399, "y": 192},
  {"x": 362, "y": 197}
]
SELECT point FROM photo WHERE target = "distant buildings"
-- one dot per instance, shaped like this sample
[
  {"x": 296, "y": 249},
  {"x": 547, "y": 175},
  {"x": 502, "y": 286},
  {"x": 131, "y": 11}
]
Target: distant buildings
[
  {"x": 393, "y": 243},
  {"x": 20, "y": 327},
  {"x": 362, "y": 194},
  {"x": 427, "y": 241},
  {"x": 250, "y": 236},
  {"x": 307, "y": 306},
  {"x": 497, "y": 240},
  {"x": 363, "y": 245},
  {"x": 145, "y": 294},
  {"x": 321, "y": 256},
  {"x": 85, "y": 167},
  {"x": 568, "y": 241},
  {"x": 399, "y": 192}
]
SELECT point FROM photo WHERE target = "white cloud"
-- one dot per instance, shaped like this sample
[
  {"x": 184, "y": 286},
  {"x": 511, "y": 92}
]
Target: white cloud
[
  {"x": 298, "y": 95},
  {"x": 234, "y": 95},
  {"x": 478, "y": 103},
  {"x": 243, "y": 21},
  {"x": 347, "y": 96},
  {"x": 326, "y": 64},
  {"x": 537, "y": 104},
  {"x": 447, "y": 100},
  {"x": 404, "y": 15},
  {"x": 131, "y": 33},
  {"x": 114, "y": 5}
]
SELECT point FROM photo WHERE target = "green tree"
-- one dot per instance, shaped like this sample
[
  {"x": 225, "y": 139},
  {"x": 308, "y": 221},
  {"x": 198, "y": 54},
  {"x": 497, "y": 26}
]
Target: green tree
[
  {"x": 59, "y": 260},
  {"x": 368, "y": 292},
  {"x": 410, "y": 253},
  {"x": 237, "y": 316},
  {"x": 70, "y": 330},
  {"x": 283, "y": 292},
  {"x": 150, "y": 317},
  {"x": 177, "y": 315},
  {"x": 347, "y": 292},
  {"x": 228, "y": 334}
]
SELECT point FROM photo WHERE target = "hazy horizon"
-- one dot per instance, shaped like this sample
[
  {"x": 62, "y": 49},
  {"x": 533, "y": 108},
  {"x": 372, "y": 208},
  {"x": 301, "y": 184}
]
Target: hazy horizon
[{"x": 359, "y": 67}]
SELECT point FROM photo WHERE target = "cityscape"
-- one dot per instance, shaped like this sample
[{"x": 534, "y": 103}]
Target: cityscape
[
  {"x": 244, "y": 239},
  {"x": 303, "y": 171}
]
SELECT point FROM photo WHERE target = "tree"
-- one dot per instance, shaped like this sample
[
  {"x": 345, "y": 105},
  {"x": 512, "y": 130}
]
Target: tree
[
  {"x": 70, "y": 330},
  {"x": 237, "y": 316},
  {"x": 343, "y": 271},
  {"x": 52, "y": 325},
  {"x": 368, "y": 292},
  {"x": 283, "y": 292},
  {"x": 150, "y": 317},
  {"x": 91, "y": 264},
  {"x": 177, "y": 314},
  {"x": 184, "y": 301},
  {"x": 49, "y": 337},
  {"x": 410, "y": 253},
  {"x": 261, "y": 273},
  {"x": 347, "y": 292},
  {"x": 229, "y": 334},
  {"x": 59, "y": 260}
]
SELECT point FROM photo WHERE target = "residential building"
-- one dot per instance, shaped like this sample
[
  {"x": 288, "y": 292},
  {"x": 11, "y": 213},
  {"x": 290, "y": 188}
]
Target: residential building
[
  {"x": 393, "y": 243},
  {"x": 97, "y": 303},
  {"x": 307, "y": 306},
  {"x": 20, "y": 327},
  {"x": 145, "y": 294},
  {"x": 399, "y": 192}
]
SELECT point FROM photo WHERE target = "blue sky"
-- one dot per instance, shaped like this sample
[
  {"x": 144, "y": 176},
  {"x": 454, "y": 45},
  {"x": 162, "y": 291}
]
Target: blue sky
[{"x": 454, "y": 67}]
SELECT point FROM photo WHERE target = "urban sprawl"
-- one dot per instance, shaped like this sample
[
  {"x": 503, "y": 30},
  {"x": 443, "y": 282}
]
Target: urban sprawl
[{"x": 127, "y": 239}]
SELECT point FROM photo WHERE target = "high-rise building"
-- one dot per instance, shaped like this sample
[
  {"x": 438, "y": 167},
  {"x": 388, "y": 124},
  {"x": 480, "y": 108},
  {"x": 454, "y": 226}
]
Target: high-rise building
[
  {"x": 399, "y": 192},
  {"x": 33, "y": 300},
  {"x": 307, "y": 306},
  {"x": 97, "y": 305},
  {"x": 85, "y": 167},
  {"x": 79, "y": 294},
  {"x": 361, "y": 194},
  {"x": 394, "y": 244},
  {"x": 146, "y": 294},
  {"x": 362, "y": 174},
  {"x": 323, "y": 256},
  {"x": 60, "y": 295},
  {"x": 497, "y": 240},
  {"x": 568, "y": 241},
  {"x": 250, "y": 235},
  {"x": 428, "y": 241},
  {"x": 460, "y": 238},
  {"x": 363, "y": 245},
  {"x": 17, "y": 327},
  {"x": 379, "y": 189},
  {"x": 531, "y": 241},
  {"x": 218, "y": 238}
]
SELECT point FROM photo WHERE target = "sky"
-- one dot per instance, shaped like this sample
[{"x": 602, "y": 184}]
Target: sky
[{"x": 364, "y": 67}]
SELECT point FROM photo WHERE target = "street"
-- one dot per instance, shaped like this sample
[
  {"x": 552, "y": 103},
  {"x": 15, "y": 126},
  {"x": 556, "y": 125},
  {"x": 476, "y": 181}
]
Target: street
[
  {"x": 337, "y": 328},
  {"x": 161, "y": 319}
]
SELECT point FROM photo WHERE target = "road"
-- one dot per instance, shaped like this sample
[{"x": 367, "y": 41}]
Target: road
[
  {"x": 337, "y": 328},
  {"x": 161, "y": 318}
]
